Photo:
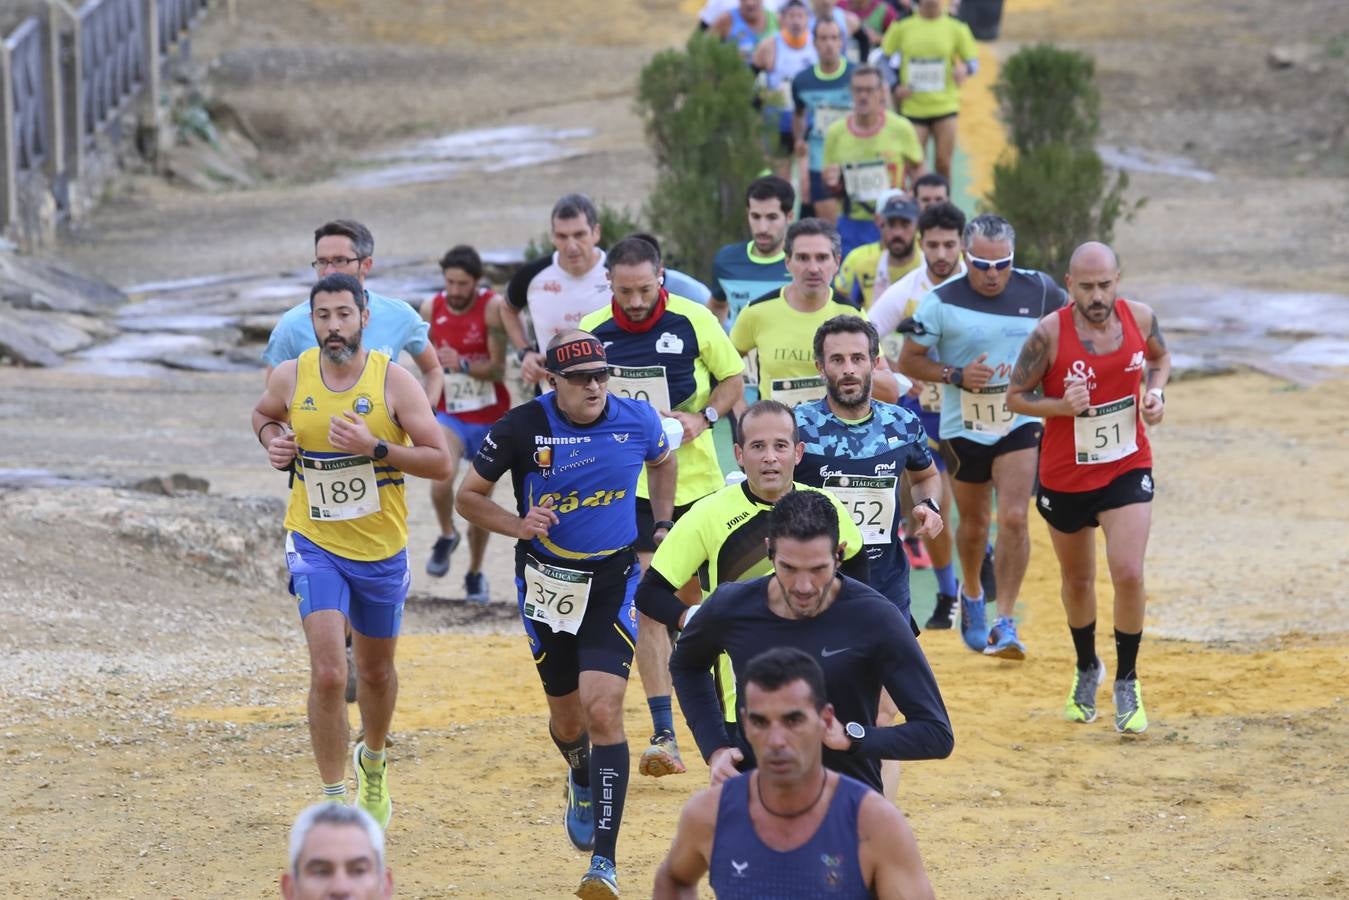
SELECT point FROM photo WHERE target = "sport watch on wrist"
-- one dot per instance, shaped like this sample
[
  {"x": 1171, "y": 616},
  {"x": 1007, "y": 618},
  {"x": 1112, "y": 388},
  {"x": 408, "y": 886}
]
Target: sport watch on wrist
[
  {"x": 957, "y": 376},
  {"x": 856, "y": 732},
  {"x": 930, "y": 504},
  {"x": 710, "y": 414},
  {"x": 1161, "y": 395},
  {"x": 663, "y": 523},
  {"x": 381, "y": 450}
]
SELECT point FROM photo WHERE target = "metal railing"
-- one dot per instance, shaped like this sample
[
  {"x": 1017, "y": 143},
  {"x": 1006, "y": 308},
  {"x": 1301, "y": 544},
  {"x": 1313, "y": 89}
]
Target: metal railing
[{"x": 68, "y": 77}]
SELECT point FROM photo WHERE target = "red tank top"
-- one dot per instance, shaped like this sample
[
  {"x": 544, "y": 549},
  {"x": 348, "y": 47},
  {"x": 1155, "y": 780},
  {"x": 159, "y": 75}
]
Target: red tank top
[
  {"x": 1087, "y": 452},
  {"x": 467, "y": 399}
]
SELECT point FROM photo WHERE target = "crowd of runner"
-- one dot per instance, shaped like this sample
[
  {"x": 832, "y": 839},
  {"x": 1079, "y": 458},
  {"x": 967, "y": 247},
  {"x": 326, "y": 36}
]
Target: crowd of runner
[{"x": 887, "y": 378}]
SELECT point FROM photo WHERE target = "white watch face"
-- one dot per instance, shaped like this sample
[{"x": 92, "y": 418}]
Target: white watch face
[{"x": 856, "y": 731}]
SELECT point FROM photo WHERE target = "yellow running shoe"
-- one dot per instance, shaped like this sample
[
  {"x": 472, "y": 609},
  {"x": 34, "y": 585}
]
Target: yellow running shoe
[
  {"x": 1130, "y": 717},
  {"x": 1081, "y": 705},
  {"x": 372, "y": 788}
]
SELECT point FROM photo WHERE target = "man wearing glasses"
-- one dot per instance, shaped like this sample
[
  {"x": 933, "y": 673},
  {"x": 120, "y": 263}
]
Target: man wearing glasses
[
  {"x": 346, "y": 247},
  {"x": 574, "y": 456},
  {"x": 977, "y": 324},
  {"x": 866, "y": 155}
]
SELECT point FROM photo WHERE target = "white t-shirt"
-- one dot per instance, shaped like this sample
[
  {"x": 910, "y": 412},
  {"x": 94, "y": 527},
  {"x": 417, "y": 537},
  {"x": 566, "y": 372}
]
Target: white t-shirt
[
  {"x": 901, "y": 298},
  {"x": 557, "y": 301}
]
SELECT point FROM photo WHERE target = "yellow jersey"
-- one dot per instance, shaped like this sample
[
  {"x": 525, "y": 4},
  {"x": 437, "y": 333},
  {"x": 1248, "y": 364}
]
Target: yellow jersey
[{"x": 351, "y": 506}]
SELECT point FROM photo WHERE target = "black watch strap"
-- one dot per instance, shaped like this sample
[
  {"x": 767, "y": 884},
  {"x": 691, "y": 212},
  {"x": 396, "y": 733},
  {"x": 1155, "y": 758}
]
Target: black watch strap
[
  {"x": 930, "y": 504},
  {"x": 663, "y": 523}
]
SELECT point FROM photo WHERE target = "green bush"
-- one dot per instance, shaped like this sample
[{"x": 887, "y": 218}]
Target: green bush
[
  {"x": 1053, "y": 187},
  {"x": 1056, "y": 197},
  {"x": 616, "y": 223},
  {"x": 1048, "y": 96},
  {"x": 708, "y": 142}
]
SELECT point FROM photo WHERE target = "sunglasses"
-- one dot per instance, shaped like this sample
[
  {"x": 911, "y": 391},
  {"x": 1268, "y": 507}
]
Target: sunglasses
[
  {"x": 983, "y": 265},
  {"x": 581, "y": 379}
]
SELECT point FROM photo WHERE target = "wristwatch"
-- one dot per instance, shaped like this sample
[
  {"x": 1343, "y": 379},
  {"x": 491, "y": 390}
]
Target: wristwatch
[
  {"x": 856, "y": 732},
  {"x": 522, "y": 353},
  {"x": 1161, "y": 395},
  {"x": 955, "y": 376},
  {"x": 930, "y": 504},
  {"x": 381, "y": 450},
  {"x": 663, "y": 523},
  {"x": 710, "y": 414}
]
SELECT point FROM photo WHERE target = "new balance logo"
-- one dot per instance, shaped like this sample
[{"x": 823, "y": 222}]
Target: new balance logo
[
  {"x": 1135, "y": 362},
  {"x": 1044, "y": 501}
]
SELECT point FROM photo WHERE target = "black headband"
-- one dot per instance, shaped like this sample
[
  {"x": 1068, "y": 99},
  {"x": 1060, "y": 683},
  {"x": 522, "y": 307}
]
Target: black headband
[{"x": 575, "y": 352}]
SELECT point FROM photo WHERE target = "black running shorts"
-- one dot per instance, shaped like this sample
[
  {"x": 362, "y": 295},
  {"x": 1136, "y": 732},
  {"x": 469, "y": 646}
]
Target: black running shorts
[
  {"x": 1072, "y": 511},
  {"x": 607, "y": 635},
  {"x": 972, "y": 462}
]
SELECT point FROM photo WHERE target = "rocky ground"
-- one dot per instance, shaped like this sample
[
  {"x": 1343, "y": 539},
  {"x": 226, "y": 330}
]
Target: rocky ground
[{"x": 153, "y": 687}]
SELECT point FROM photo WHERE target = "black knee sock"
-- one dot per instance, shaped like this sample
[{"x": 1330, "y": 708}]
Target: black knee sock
[
  {"x": 577, "y": 755},
  {"x": 1126, "y": 650},
  {"x": 609, "y": 766},
  {"x": 1084, "y": 641}
]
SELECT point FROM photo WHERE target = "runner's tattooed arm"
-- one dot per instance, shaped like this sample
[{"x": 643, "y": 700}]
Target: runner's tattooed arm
[{"x": 1024, "y": 393}]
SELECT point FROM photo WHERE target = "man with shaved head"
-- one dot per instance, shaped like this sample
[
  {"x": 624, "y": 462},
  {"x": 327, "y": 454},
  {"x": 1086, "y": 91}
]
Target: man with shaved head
[{"x": 1095, "y": 371}]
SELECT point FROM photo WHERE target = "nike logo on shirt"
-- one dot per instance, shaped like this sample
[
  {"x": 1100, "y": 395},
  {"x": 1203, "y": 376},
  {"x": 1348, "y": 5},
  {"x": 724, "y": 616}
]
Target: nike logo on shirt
[{"x": 826, "y": 653}]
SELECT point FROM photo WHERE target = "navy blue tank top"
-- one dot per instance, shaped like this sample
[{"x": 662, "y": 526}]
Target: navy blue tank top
[{"x": 826, "y": 866}]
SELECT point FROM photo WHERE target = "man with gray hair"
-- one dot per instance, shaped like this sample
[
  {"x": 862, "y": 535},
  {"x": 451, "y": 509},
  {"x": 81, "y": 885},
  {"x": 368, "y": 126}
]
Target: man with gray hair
[
  {"x": 977, "y": 324},
  {"x": 557, "y": 291},
  {"x": 336, "y": 851}
]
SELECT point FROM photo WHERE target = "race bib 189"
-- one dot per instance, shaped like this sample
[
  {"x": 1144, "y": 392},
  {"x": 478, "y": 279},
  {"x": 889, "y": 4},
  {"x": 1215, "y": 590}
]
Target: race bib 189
[
  {"x": 871, "y": 502},
  {"x": 645, "y": 383},
  {"x": 985, "y": 410},
  {"x": 792, "y": 391},
  {"x": 1106, "y": 432},
  {"x": 341, "y": 488},
  {"x": 556, "y": 597}
]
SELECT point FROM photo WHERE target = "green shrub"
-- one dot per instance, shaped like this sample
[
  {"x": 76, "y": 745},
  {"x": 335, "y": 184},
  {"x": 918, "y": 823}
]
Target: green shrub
[
  {"x": 1048, "y": 96},
  {"x": 1052, "y": 186},
  {"x": 708, "y": 142},
  {"x": 616, "y": 223},
  {"x": 1057, "y": 197}
]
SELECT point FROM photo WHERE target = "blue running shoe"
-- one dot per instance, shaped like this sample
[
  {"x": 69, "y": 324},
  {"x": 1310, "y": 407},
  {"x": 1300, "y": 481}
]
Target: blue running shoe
[
  {"x": 1003, "y": 642},
  {"x": 439, "y": 563},
  {"x": 973, "y": 625},
  {"x": 600, "y": 881},
  {"x": 580, "y": 817}
]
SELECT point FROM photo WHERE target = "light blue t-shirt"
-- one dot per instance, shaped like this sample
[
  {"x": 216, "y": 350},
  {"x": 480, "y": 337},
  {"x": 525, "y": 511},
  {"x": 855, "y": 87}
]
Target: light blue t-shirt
[
  {"x": 677, "y": 282},
  {"x": 742, "y": 277},
  {"x": 394, "y": 326},
  {"x": 962, "y": 324}
]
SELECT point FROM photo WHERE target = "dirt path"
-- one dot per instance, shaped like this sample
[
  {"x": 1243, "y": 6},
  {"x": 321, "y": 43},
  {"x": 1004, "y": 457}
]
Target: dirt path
[{"x": 153, "y": 689}]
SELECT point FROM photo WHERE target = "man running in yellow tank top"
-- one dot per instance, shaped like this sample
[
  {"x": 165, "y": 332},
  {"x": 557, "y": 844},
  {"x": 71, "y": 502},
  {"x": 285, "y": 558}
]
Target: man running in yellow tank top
[
  {"x": 936, "y": 55},
  {"x": 349, "y": 424}
]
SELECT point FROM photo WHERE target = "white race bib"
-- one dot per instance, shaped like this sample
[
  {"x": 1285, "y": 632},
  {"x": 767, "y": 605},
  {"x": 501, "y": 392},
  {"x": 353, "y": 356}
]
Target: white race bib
[
  {"x": 871, "y": 502},
  {"x": 1106, "y": 432},
  {"x": 555, "y": 596},
  {"x": 927, "y": 76},
  {"x": 930, "y": 397},
  {"x": 792, "y": 391},
  {"x": 647, "y": 383},
  {"x": 464, "y": 393},
  {"x": 827, "y": 115},
  {"x": 985, "y": 410},
  {"x": 341, "y": 488},
  {"x": 866, "y": 181}
]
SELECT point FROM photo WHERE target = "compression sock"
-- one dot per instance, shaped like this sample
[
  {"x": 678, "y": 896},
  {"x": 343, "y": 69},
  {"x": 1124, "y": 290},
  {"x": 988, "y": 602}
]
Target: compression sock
[
  {"x": 1126, "y": 651},
  {"x": 946, "y": 579},
  {"x": 577, "y": 755},
  {"x": 337, "y": 793},
  {"x": 662, "y": 714},
  {"x": 609, "y": 766},
  {"x": 1084, "y": 641}
]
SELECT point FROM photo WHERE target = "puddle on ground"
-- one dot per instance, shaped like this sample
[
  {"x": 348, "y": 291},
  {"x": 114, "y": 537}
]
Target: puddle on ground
[
  {"x": 481, "y": 150},
  {"x": 12, "y": 478},
  {"x": 1136, "y": 159}
]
